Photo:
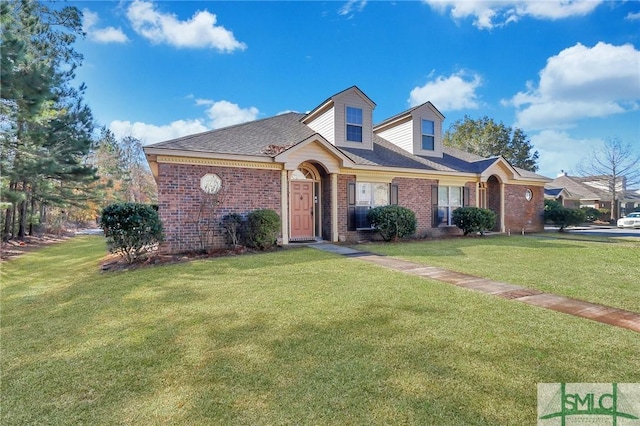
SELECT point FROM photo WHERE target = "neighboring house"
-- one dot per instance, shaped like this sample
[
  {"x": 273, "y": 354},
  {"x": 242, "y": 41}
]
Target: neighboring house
[
  {"x": 323, "y": 170},
  {"x": 591, "y": 191}
]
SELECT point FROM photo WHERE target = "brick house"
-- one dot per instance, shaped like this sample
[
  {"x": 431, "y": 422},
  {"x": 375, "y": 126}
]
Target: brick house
[
  {"x": 323, "y": 170},
  {"x": 592, "y": 191}
]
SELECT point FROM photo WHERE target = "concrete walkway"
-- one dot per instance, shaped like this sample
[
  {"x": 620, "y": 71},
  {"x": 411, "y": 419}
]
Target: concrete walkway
[{"x": 605, "y": 314}]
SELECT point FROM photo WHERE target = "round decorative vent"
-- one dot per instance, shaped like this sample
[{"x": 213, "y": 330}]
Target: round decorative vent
[
  {"x": 528, "y": 194},
  {"x": 210, "y": 183}
]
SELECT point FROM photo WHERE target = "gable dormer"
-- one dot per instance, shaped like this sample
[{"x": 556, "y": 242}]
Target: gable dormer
[
  {"x": 345, "y": 119},
  {"x": 417, "y": 130}
]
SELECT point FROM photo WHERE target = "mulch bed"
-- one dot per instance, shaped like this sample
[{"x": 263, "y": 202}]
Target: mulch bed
[{"x": 114, "y": 262}]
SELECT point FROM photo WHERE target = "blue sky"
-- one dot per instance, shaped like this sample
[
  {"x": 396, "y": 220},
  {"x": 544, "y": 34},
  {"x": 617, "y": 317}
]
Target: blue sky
[{"x": 566, "y": 72}]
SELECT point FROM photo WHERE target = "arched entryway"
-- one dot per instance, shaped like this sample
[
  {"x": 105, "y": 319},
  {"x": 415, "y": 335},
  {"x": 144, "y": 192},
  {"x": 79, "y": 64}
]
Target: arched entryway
[
  {"x": 304, "y": 205},
  {"x": 494, "y": 200}
]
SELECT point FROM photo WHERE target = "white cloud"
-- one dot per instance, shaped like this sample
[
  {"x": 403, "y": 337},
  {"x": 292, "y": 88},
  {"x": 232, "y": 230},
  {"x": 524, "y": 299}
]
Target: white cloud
[
  {"x": 455, "y": 92},
  {"x": 633, "y": 16},
  {"x": 101, "y": 35},
  {"x": 150, "y": 133},
  {"x": 352, "y": 6},
  {"x": 225, "y": 113},
  {"x": 220, "y": 113},
  {"x": 559, "y": 151},
  {"x": 89, "y": 19},
  {"x": 581, "y": 82},
  {"x": 488, "y": 14},
  {"x": 200, "y": 31}
]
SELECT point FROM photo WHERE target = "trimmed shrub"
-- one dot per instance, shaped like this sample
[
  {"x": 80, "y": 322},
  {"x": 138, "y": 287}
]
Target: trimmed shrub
[
  {"x": 473, "y": 219},
  {"x": 132, "y": 229},
  {"x": 393, "y": 222},
  {"x": 591, "y": 214},
  {"x": 561, "y": 216},
  {"x": 264, "y": 226}
]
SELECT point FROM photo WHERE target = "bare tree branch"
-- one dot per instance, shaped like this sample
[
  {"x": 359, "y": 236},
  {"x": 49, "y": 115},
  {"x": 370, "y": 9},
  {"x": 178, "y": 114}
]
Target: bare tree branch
[{"x": 616, "y": 166}]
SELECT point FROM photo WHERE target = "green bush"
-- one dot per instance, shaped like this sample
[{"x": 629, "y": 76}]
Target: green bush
[
  {"x": 605, "y": 215},
  {"x": 591, "y": 214},
  {"x": 561, "y": 216},
  {"x": 132, "y": 229},
  {"x": 474, "y": 219},
  {"x": 264, "y": 226},
  {"x": 393, "y": 222}
]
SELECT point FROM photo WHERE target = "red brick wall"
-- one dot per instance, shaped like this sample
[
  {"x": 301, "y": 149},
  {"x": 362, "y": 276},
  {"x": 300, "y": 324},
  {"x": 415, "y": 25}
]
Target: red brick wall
[
  {"x": 180, "y": 197},
  {"x": 245, "y": 190},
  {"x": 522, "y": 214},
  {"x": 343, "y": 234},
  {"x": 414, "y": 194}
]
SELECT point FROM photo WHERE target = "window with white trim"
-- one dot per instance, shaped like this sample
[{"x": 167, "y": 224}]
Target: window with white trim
[
  {"x": 449, "y": 199},
  {"x": 362, "y": 196},
  {"x": 354, "y": 124},
  {"x": 428, "y": 135},
  {"x": 368, "y": 196}
]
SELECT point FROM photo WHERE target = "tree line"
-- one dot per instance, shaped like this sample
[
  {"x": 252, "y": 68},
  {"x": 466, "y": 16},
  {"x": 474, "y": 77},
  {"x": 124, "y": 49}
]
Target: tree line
[{"x": 55, "y": 164}]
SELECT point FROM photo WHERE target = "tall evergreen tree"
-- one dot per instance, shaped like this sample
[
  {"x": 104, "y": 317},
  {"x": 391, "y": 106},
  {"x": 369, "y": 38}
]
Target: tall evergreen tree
[
  {"x": 46, "y": 128},
  {"x": 487, "y": 138}
]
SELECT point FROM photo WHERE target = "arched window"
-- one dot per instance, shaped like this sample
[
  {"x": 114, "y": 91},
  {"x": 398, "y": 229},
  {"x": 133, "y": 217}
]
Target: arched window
[{"x": 304, "y": 172}]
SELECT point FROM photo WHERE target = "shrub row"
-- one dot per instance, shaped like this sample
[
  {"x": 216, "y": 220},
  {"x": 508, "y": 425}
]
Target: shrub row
[{"x": 133, "y": 229}]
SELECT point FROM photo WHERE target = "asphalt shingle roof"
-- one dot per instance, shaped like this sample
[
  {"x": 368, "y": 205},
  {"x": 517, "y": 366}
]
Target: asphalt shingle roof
[
  {"x": 252, "y": 138},
  {"x": 581, "y": 190},
  {"x": 386, "y": 154},
  {"x": 258, "y": 138}
]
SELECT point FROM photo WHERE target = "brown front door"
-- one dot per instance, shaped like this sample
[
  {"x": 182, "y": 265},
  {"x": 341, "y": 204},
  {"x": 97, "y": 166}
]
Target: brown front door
[{"x": 301, "y": 210}]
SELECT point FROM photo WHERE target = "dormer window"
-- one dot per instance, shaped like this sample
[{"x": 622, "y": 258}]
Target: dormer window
[
  {"x": 354, "y": 124},
  {"x": 428, "y": 135}
]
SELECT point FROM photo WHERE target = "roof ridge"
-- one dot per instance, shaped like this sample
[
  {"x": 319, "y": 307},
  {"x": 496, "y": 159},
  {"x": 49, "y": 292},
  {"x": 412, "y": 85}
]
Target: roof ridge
[{"x": 233, "y": 126}]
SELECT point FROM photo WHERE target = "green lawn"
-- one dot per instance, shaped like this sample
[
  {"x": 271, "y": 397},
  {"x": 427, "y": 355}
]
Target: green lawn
[
  {"x": 599, "y": 270},
  {"x": 290, "y": 337}
]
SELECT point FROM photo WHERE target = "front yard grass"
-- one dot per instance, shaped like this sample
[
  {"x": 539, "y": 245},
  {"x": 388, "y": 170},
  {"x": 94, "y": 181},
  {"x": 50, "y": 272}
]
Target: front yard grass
[
  {"x": 296, "y": 336},
  {"x": 595, "y": 269}
]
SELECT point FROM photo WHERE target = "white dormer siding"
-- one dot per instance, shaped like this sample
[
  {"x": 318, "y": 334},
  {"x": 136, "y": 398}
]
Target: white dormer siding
[
  {"x": 405, "y": 130},
  {"x": 325, "y": 124},
  {"x": 400, "y": 134},
  {"x": 354, "y": 100},
  {"x": 330, "y": 118}
]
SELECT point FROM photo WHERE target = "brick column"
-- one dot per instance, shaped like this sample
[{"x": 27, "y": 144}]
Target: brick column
[
  {"x": 334, "y": 207},
  {"x": 502, "y": 210}
]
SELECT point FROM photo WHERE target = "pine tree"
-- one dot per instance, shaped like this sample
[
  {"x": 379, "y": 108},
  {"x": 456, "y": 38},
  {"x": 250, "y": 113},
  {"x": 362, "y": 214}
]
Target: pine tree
[{"x": 46, "y": 128}]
